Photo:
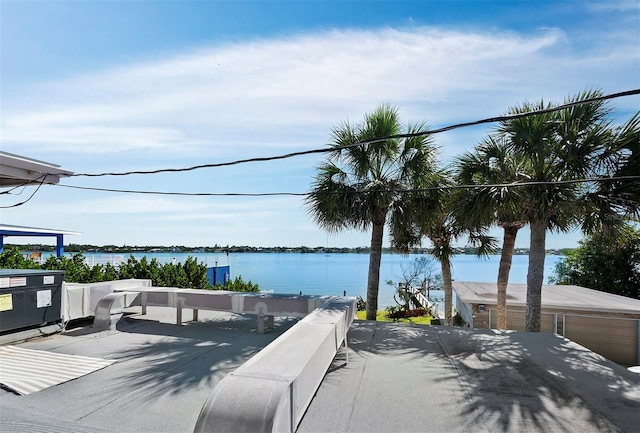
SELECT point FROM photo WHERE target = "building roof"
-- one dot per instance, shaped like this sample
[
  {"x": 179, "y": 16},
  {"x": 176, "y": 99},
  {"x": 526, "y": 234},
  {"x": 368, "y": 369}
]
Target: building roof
[
  {"x": 391, "y": 377},
  {"x": 16, "y": 170},
  {"x": 11, "y": 230},
  {"x": 562, "y": 297},
  {"x": 412, "y": 378}
]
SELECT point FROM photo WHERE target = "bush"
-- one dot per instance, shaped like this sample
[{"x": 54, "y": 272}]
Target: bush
[
  {"x": 238, "y": 285},
  {"x": 400, "y": 313},
  {"x": 458, "y": 320},
  {"x": 74, "y": 267},
  {"x": 142, "y": 269},
  {"x": 189, "y": 275},
  {"x": 604, "y": 263},
  {"x": 11, "y": 258}
]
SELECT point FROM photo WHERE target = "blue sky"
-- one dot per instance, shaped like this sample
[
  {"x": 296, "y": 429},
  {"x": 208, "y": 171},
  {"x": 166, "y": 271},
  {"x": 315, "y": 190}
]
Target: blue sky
[{"x": 114, "y": 86}]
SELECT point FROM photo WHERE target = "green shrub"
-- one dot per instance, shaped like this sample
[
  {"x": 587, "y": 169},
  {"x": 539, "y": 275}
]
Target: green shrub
[
  {"x": 458, "y": 320},
  {"x": 12, "y": 258},
  {"x": 74, "y": 267},
  {"x": 399, "y": 312},
  {"x": 188, "y": 275},
  {"x": 195, "y": 274},
  {"x": 238, "y": 285}
]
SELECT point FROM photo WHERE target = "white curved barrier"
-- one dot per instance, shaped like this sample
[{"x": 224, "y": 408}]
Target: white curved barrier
[{"x": 272, "y": 390}]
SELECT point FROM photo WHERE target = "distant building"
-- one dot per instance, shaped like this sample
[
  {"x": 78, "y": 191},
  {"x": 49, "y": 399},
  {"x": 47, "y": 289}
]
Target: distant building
[{"x": 603, "y": 322}]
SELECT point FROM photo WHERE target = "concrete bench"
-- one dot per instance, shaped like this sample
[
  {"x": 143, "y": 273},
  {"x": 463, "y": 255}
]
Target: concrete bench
[{"x": 272, "y": 390}]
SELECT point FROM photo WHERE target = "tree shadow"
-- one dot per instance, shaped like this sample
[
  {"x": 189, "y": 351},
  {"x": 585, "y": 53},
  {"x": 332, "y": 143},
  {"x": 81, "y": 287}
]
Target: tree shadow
[
  {"x": 167, "y": 358},
  {"x": 512, "y": 381}
]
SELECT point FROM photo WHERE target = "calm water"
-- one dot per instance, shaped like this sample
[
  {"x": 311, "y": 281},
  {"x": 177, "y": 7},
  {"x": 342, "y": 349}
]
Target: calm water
[{"x": 335, "y": 274}]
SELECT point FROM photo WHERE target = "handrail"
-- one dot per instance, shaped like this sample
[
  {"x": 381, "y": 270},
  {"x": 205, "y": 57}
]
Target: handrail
[{"x": 423, "y": 300}]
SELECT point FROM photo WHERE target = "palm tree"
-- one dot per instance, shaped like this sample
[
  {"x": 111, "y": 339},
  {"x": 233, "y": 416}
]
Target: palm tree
[
  {"x": 442, "y": 227},
  {"x": 493, "y": 164},
  {"x": 558, "y": 146},
  {"x": 365, "y": 183},
  {"x": 441, "y": 231},
  {"x": 622, "y": 159}
]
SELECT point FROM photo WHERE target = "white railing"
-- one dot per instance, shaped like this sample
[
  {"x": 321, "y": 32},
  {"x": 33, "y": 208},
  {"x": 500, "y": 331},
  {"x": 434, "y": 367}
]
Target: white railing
[
  {"x": 112, "y": 259},
  {"x": 419, "y": 295}
]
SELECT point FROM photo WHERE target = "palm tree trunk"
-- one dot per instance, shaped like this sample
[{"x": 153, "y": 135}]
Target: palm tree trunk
[
  {"x": 445, "y": 266},
  {"x": 374, "y": 268},
  {"x": 535, "y": 274},
  {"x": 508, "y": 245}
]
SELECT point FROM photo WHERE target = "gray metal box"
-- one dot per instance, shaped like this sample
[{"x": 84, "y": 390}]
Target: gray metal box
[{"x": 29, "y": 298}]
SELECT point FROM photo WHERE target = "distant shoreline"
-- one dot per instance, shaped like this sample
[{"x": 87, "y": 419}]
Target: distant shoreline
[{"x": 128, "y": 249}]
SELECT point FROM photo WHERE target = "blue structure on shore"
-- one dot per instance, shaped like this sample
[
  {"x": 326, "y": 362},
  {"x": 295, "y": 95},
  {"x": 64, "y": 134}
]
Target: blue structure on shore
[
  {"x": 11, "y": 230},
  {"x": 219, "y": 274}
]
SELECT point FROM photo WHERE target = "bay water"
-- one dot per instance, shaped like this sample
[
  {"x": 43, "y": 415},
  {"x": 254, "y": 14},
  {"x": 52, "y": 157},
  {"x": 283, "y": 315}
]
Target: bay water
[{"x": 338, "y": 273}]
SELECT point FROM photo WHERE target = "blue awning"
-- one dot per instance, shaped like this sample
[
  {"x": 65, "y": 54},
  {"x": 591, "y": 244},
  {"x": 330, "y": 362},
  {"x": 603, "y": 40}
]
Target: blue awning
[{"x": 11, "y": 230}]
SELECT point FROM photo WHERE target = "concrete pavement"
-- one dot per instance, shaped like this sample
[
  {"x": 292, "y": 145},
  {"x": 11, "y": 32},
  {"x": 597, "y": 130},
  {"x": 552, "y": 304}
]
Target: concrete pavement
[
  {"x": 163, "y": 374},
  {"x": 399, "y": 378},
  {"x": 437, "y": 379}
]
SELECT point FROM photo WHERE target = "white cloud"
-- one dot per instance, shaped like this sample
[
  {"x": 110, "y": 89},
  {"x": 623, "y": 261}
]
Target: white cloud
[
  {"x": 269, "y": 91},
  {"x": 614, "y": 5},
  {"x": 271, "y": 96}
]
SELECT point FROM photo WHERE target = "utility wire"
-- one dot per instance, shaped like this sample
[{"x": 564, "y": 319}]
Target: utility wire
[
  {"x": 196, "y": 194},
  {"x": 23, "y": 185},
  {"x": 43, "y": 177},
  {"x": 374, "y": 140},
  {"x": 504, "y": 118},
  {"x": 303, "y": 194},
  {"x": 338, "y": 148}
]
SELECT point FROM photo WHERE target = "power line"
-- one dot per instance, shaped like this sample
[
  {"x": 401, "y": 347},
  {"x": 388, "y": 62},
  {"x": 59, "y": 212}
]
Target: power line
[
  {"x": 334, "y": 149},
  {"x": 303, "y": 194},
  {"x": 505, "y": 117},
  {"x": 374, "y": 140},
  {"x": 189, "y": 194},
  {"x": 43, "y": 177},
  {"x": 23, "y": 185}
]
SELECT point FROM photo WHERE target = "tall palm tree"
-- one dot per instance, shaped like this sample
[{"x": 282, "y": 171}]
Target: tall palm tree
[
  {"x": 559, "y": 146},
  {"x": 493, "y": 164},
  {"x": 365, "y": 183},
  {"x": 442, "y": 231},
  {"x": 442, "y": 227}
]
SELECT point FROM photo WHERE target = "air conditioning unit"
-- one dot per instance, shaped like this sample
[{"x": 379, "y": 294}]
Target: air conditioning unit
[{"x": 29, "y": 298}]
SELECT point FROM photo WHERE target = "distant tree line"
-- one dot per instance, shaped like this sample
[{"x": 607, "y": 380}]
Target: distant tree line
[{"x": 112, "y": 249}]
